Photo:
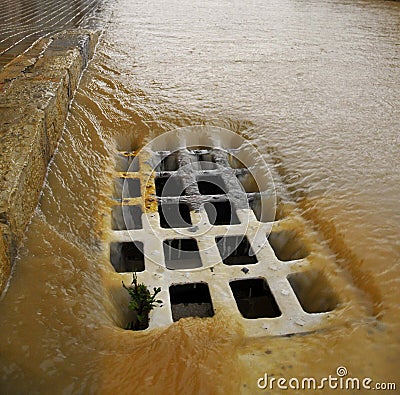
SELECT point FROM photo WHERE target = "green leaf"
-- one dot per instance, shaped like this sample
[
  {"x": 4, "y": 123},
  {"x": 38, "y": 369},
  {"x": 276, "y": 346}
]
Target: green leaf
[{"x": 141, "y": 300}]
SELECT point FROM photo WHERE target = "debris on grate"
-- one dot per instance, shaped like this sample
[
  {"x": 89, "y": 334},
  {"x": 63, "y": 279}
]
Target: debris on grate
[
  {"x": 313, "y": 291},
  {"x": 190, "y": 300},
  {"x": 127, "y": 257},
  {"x": 181, "y": 254},
  {"x": 254, "y": 299},
  {"x": 235, "y": 250}
]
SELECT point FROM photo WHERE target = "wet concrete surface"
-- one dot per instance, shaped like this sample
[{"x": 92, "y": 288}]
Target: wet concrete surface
[{"x": 23, "y": 22}]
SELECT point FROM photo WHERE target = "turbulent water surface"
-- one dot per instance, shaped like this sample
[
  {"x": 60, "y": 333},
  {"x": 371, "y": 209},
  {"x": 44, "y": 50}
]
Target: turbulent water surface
[{"x": 315, "y": 85}]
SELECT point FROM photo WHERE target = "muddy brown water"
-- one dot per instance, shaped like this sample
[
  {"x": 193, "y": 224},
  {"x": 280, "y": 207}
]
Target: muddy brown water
[{"x": 315, "y": 85}]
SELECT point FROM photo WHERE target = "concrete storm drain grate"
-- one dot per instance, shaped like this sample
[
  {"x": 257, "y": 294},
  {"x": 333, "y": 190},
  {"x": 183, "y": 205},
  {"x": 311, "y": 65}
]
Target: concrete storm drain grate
[{"x": 195, "y": 213}]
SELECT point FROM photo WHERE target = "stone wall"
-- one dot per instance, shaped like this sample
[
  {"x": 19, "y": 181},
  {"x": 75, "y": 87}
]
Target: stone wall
[{"x": 36, "y": 89}]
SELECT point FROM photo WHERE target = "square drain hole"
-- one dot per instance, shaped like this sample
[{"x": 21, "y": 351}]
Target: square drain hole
[
  {"x": 127, "y": 257},
  {"x": 211, "y": 185},
  {"x": 287, "y": 245},
  {"x": 126, "y": 163},
  {"x": 264, "y": 208},
  {"x": 174, "y": 215},
  {"x": 181, "y": 254},
  {"x": 190, "y": 300},
  {"x": 126, "y": 188},
  {"x": 126, "y": 217},
  {"x": 235, "y": 250},
  {"x": 221, "y": 213},
  {"x": 313, "y": 291},
  {"x": 168, "y": 163},
  {"x": 254, "y": 298},
  {"x": 169, "y": 186},
  {"x": 248, "y": 183}
]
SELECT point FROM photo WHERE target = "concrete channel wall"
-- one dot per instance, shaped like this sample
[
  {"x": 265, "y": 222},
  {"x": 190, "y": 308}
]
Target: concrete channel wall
[{"x": 36, "y": 89}]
